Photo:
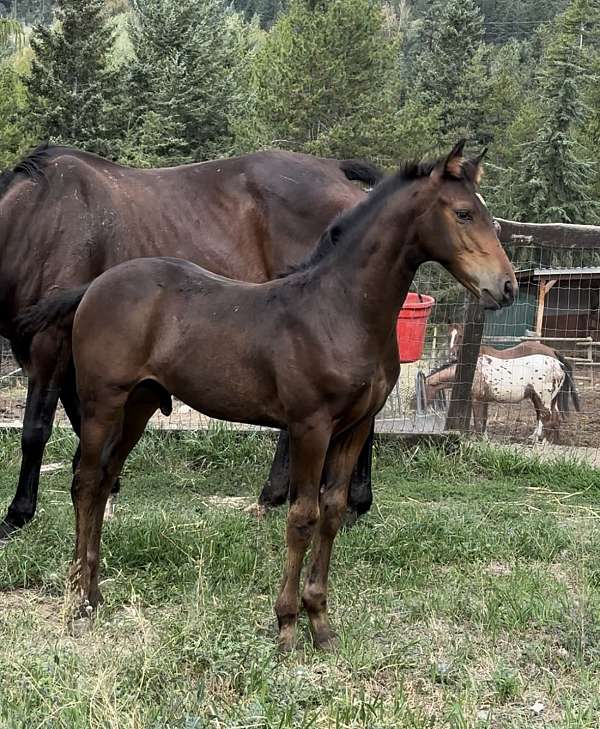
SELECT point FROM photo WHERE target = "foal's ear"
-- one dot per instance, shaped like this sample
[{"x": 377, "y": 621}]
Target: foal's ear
[
  {"x": 452, "y": 165},
  {"x": 473, "y": 168}
]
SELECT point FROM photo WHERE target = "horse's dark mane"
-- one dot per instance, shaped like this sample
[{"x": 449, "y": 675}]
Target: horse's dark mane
[
  {"x": 31, "y": 166},
  {"x": 349, "y": 220}
]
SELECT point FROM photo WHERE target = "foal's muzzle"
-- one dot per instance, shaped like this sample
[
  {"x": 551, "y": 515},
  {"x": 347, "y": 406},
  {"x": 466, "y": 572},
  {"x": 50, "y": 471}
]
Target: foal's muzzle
[{"x": 499, "y": 295}]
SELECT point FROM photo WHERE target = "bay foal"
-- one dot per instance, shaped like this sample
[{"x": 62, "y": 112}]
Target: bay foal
[{"x": 314, "y": 353}]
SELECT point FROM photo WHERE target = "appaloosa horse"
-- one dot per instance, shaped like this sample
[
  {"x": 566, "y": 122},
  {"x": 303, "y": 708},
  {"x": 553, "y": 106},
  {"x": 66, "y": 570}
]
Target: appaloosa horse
[
  {"x": 528, "y": 348},
  {"x": 66, "y": 216},
  {"x": 539, "y": 378},
  {"x": 314, "y": 353}
]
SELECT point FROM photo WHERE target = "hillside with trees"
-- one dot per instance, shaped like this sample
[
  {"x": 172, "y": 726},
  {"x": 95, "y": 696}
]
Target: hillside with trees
[{"x": 161, "y": 82}]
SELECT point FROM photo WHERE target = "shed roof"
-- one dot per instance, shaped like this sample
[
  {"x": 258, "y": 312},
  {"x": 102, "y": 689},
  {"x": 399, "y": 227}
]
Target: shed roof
[{"x": 582, "y": 272}]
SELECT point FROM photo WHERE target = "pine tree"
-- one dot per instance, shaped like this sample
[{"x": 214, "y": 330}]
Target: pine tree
[
  {"x": 450, "y": 66},
  {"x": 321, "y": 81},
  {"x": 266, "y": 10},
  {"x": 14, "y": 141},
  {"x": 30, "y": 11},
  {"x": 555, "y": 174},
  {"x": 71, "y": 86},
  {"x": 182, "y": 78}
]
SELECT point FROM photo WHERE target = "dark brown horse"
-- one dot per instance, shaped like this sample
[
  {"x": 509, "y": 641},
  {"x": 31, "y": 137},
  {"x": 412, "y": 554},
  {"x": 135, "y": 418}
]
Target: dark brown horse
[
  {"x": 314, "y": 353},
  {"x": 66, "y": 216}
]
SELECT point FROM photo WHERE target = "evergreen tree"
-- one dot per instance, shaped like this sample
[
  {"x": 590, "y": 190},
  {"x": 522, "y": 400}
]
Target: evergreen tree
[
  {"x": 71, "y": 86},
  {"x": 555, "y": 171},
  {"x": 322, "y": 81},
  {"x": 449, "y": 69},
  {"x": 14, "y": 141},
  {"x": 29, "y": 11},
  {"x": 266, "y": 10},
  {"x": 519, "y": 19},
  {"x": 181, "y": 79}
]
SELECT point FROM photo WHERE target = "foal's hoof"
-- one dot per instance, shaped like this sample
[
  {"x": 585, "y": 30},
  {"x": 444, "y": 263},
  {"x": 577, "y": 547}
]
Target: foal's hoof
[
  {"x": 110, "y": 508},
  {"x": 287, "y": 639},
  {"x": 257, "y": 510},
  {"x": 81, "y": 620},
  {"x": 327, "y": 641}
]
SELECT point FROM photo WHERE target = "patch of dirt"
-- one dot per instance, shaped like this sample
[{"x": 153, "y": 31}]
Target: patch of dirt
[
  {"x": 47, "y": 607},
  {"x": 239, "y": 503},
  {"x": 515, "y": 423}
]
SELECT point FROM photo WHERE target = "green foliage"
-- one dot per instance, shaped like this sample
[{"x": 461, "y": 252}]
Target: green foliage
[
  {"x": 266, "y": 10},
  {"x": 11, "y": 34},
  {"x": 517, "y": 19},
  {"x": 322, "y": 81},
  {"x": 14, "y": 140},
  {"x": 556, "y": 172},
  {"x": 160, "y": 82},
  {"x": 71, "y": 87},
  {"x": 29, "y": 11},
  {"x": 180, "y": 84},
  {"x": 449, "y": 68}
]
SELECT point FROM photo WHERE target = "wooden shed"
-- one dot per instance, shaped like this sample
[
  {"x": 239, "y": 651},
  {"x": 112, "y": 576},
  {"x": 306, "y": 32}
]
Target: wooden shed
[{"x": 564, "y": 302}]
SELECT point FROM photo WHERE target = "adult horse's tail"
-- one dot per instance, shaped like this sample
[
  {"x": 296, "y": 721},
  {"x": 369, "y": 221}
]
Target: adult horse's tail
[
  {"x": 57, "y": 309},
  {"x": 361, "y": 171},
  {"x": 567, "y": 391}
]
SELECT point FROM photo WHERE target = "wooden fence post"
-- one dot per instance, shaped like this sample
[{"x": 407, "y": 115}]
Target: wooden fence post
[{"x": 459, "y": 412}]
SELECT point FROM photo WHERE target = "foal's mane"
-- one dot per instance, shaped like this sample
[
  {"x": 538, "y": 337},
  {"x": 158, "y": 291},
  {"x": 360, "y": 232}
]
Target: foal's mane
[{"x": 350, "y": 220}]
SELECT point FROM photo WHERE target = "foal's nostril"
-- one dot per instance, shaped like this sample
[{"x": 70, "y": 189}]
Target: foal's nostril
[{"x": 509, "y": 292}]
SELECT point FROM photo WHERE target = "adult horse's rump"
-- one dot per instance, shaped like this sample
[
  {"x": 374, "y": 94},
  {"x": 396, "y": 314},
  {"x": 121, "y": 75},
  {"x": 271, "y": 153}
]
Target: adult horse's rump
[{"x": 66, "y": 216}]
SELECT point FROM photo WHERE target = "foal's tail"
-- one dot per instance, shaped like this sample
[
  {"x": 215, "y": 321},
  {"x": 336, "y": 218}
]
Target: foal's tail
[
  {"x": 567, "y": 391},
  {"x": 58, "y": 309}
]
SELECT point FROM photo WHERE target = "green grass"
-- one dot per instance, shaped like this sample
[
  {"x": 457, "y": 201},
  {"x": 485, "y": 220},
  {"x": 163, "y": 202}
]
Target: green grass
[{"x": 469, "y": 593}]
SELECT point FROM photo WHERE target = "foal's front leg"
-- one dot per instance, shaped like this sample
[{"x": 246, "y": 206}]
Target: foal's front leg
[
  {"x": 341, "y": 459},
  {"x": 308, "y": 447}
]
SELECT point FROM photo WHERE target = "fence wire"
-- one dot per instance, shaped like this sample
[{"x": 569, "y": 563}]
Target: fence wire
[{"x": 565, "y": 317}]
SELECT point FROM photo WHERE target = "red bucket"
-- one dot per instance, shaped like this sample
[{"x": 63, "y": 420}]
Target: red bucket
[{"x": 411, "y": 326}]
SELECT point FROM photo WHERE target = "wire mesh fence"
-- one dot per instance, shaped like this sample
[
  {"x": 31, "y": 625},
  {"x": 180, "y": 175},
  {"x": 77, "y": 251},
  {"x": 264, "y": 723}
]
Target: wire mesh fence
[{"x": 558, "y": 307}]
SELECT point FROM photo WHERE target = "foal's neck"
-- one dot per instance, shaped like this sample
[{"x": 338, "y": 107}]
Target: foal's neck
[{"x": 373, "y": 265}]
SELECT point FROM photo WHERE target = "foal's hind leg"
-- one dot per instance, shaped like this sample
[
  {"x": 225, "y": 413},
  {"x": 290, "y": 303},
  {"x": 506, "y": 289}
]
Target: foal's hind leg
[
  {"x": 308, "y": 447},
  {"x": 120, "y": 432},
  {"x": 341, "y": 459},
  {"x": 91, "y": 484},
  {"x": 70, "y": 401},
  {"x": 360, "y": 493}
]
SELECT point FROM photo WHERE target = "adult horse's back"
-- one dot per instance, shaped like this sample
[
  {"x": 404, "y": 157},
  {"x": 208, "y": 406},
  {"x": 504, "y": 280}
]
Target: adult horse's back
[{"x": 66, "y": 216}]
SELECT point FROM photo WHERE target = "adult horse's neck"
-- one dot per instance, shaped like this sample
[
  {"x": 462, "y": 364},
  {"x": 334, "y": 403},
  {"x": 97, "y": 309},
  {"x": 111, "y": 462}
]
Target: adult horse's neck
[{"x": 373, "y": 259}]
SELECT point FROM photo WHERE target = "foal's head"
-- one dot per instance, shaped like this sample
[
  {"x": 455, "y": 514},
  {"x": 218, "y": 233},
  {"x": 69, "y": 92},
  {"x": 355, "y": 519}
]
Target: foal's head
[{"x": 455, "y": 228}]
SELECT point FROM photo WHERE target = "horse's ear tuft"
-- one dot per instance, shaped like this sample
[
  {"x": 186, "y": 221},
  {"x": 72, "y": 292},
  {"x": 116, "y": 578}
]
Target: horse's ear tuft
[
  {"x": 454, "y": 161},
  {"x": 473, "y": 168},
  {"x": 452, "y": 165}
]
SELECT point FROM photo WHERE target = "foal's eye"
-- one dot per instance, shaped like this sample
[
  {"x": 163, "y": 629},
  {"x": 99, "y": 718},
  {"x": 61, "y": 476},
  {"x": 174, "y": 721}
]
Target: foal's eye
[{"x": 463, "y": 215}]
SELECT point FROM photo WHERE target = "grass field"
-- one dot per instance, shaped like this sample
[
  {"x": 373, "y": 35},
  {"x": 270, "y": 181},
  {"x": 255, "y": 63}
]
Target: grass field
[{"x": 469, "y": 597}]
